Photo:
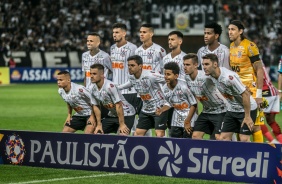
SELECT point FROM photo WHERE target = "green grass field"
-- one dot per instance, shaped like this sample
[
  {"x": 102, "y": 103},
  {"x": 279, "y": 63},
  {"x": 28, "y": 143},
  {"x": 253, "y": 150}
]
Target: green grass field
[{"x": 40, "y": 108}]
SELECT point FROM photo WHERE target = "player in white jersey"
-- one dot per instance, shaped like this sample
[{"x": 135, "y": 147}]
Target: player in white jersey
[
  {"x": 148, "y": 86},
  {"x": 151, "y": 53},
  {"x": 242, "y": 109},
  {"x": 270, "y": 93},
  {"x": 78, "y": 98},
  {"x": 176, "y": 55},
  {"x": 94, "y": 55},
  {"x": 214, "y": 104},
  {"x": 212, "y": 33},
  {"x": 178, "y": 95},
  {"x": 121, "y": 114}
]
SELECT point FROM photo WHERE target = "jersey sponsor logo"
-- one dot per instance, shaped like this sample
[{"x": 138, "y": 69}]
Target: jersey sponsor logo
[
  {"x": 230, "y": 77},
  {"x": 202, "y": 98},
  {"x": 117, "y": 65},
  {"x": 78, "y": 108},
  {"x": 147, "y": 67},
  {"x": 112, "y": 85},
  {"x": 181, "y": 106},
  {"x": 146, "y": 96},
  {"x": 227, "y": 96},
  {"x": 239, "y": 54},
  {"x": 81, "y": 90}
]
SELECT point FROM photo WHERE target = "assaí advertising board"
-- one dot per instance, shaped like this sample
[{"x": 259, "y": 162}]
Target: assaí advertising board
[
  {"x": 187, "y": 158},
  {"x": 41, "y": 75}
]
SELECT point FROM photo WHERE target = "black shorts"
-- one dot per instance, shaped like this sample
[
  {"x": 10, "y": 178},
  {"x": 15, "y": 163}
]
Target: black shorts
[
  {"x": 104, "y": 111},
  {"x": 111, "y": 124},
  {"x": 135, "y": 101},
  {"x": 78, "y": 122},
  {"x": 179, "y": 132},
  {"x": 147, "y": 121},
  {"x": 233, "y": 120},
  {"x": 209, "y": 123},
  {"x": 169, "y": 117}
]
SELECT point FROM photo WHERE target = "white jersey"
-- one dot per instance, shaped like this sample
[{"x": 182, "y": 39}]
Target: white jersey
[
  {"x": 177, "y": 59},
  {"x": 109, "y": 95},
  {"x": 79, "y": 98},
  {"x": 207, "y": 93},
  {"x": 221, "y": 51},
  {"x": 230, "y": 85},
  {"x": 88, "y": 60},
  {"x": 119, "y": 57},
  {"x": 152, "y": 57},
  {"x": 181, "y": 99},
  {"x": 148, "y": 86}
]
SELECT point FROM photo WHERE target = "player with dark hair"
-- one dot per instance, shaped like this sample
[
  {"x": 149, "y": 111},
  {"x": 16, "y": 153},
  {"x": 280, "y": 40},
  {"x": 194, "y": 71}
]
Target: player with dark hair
[
  {"x": 214, "y": 104},
  {"x": 178, "y": 95},
  {"x": 78, "y": 98},
  {"x": 147, "y": 84},
  {"x": 151, "y": 53},
  {"x": 212, "y": 33},
  {"x": 121, "y": 114},
  {"x": 246, "y": 62},
  {"x": 242, "y": 108}
]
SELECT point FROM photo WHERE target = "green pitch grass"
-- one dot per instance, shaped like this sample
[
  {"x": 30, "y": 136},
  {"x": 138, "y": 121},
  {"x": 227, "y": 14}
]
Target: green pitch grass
[{"x": 38, "y": 107}]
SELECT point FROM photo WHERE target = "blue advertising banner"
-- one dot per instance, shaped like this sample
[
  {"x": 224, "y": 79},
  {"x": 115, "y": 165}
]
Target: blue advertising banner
[
  {"x": 41, "y": 75},
  {"x": 187, "y": 158}
]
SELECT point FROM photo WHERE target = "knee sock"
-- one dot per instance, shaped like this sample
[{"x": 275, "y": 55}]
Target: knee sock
[
  {"x": 275, "y": 128},
  {"x": 258, "y": 137},
  {"x": 266, "y": 133}
]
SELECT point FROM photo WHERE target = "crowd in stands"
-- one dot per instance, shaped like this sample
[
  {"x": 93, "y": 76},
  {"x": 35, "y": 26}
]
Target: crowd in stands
[{"x": 55, "y": 25}]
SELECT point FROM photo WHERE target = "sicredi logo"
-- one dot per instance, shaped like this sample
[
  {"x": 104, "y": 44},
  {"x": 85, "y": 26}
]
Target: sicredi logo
[{"x": 171, "y": 161}]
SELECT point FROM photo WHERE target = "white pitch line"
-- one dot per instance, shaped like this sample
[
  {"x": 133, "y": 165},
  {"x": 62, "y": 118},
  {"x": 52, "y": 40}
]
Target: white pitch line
[{"x": 70, "y": 178}]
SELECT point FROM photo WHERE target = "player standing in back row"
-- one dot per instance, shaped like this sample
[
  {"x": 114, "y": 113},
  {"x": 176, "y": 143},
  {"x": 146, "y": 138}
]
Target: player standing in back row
[
  {"x": 212, "y": 33},
  {"x": 151, "y": 53}
]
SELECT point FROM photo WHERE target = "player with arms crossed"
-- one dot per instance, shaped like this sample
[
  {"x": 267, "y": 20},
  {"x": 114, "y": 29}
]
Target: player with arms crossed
[
  {"x": 148, "y": 86},
  {"x": 214, "y": 104},
  {"x": 121, "y": 114},
  {"x": 242, "y": 109},
  {"x": 94, "y": 55},
  {"x": 212, "y": 33},
  {"x": 78, "y": 98},
  {"x": 151, "y": 53},
  {"x": 245, "y": 61},
  {"x": 178, "y": 95}
]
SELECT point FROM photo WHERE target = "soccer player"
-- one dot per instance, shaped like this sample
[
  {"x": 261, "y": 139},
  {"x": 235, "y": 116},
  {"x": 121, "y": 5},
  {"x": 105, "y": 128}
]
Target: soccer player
[
  {"x": 148, "y": 86},
  {"x": 212, "y": 33},
  {"x": 121, "y": 114},
  {"x": 242, "y": 108},
  {"x": 151, "y": 53},
  {"x": 214, "y": 104},
  {"x": 178, "y": 95},
  {"x": 94, "y": 55},
  {"x": 78, "y": 98},
  {"x": 120, "y": 51},
  {"x": 245, "y": 61},
  {"x": 175, "y": 39},
  {"x": 270, "y": 93}
]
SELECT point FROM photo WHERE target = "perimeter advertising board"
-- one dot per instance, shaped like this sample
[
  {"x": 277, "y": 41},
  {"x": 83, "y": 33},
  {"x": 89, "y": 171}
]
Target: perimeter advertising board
[{"x": 199, "y": 159}]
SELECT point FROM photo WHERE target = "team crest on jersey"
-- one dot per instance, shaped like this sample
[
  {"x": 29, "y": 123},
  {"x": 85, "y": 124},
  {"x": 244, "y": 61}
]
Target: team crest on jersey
[
  {"x": 150, "y": 55},
  {"x": 239, "y": 55},
  {"x": 252, "y": 44},
  {"x": 112, "y": 85},
  {"x": 123, "y": 53},
  {"x": 230, "y": 77},
  {"x": 80, "y": 90}
]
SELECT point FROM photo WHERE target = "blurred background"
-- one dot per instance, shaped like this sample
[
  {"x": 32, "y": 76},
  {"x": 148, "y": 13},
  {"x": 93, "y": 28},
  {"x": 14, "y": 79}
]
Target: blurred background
[{"x": 52, "y": 33}]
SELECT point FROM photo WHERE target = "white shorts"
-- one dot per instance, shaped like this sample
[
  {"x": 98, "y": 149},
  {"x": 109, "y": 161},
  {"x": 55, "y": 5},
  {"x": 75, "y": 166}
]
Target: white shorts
[{"x": 274, "y": 105}]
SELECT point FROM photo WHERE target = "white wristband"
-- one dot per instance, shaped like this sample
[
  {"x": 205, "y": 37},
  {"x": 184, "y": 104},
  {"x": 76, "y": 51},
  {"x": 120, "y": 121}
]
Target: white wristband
[
  {"x": 280, "y": 91},
  {"x": 259, "y": 93}
]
